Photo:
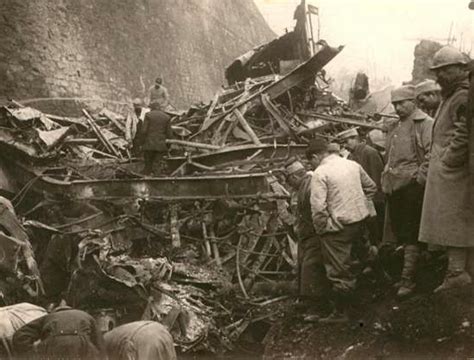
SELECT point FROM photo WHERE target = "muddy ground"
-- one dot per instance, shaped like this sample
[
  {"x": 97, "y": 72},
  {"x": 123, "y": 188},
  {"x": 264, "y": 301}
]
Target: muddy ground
[{"x": 424, "y": 326}]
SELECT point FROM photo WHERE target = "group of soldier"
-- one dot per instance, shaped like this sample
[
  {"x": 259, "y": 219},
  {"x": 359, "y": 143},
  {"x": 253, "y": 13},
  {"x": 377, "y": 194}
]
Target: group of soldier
[
  {"x": 67, "y": 333},
  {"x": 413, "y": 195}
]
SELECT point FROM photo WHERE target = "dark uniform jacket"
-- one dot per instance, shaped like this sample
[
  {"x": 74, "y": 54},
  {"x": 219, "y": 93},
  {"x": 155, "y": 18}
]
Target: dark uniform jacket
[
  {"x": 371, "y": 161},
  {"x": 155, "y": 130},
  {"x": 304, "y": 221},
  {"x": 65, "y": 334},
  {"x": 470, "y": 128},
  {"x": 408, "y": 149}
]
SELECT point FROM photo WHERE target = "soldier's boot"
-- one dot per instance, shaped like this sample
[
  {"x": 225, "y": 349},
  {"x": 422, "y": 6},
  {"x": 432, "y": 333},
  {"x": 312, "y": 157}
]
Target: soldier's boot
[
  {"x": 410, "y": 258},
  {"x": 456, "y": 275}
]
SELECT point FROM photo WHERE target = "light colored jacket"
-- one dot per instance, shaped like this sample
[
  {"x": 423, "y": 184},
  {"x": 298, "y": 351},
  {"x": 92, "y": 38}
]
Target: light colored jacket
[
  {"x": 160, "y": 95},
  {"x": 340, "y": 194}
]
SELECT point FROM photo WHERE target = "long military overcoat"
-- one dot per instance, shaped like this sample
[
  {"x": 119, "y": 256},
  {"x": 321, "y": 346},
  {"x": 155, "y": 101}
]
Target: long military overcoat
[{"x": 448, "y": 213}]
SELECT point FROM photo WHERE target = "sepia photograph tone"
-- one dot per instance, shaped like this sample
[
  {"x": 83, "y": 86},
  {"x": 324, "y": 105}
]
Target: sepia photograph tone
[{"x": 236, "y": 179}]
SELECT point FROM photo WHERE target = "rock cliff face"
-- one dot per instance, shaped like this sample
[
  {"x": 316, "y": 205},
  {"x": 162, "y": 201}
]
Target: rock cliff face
[
  {"x": 111, "y": 50},
  {"x": 424, "y": 52}
]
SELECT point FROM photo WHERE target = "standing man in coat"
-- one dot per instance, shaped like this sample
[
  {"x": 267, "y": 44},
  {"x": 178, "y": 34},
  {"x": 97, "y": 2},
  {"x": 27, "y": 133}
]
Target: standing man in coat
[
  {"x": 340, "y": 195},
  {"x": 448, "y": 213},
  {"x": 371, "y": 161},
  {"x": 155, "y": 130},
  {"x": 65, "y": 333},
  {"x": 312, "y": 277},
  {"x": 404, "y": 177},
  {"x": 428, "y": 96}
]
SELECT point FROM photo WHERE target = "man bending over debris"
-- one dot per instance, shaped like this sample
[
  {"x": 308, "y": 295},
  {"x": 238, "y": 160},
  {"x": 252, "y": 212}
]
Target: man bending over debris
[
  {"x": 65, "y": 333},
  {"x": 140, "y": 340},
  {"x": 311, "y": 274},
  {"x": 155, "y": 130},
  {"x": 340, "y": 195}
]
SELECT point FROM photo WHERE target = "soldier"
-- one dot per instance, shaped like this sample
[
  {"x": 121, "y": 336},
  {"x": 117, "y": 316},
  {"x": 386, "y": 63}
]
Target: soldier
[
  {"x": 371, "y": 161},
  {"x": 65, "y": 333},
  {"x": 404, "y": 177},
  {"x": 428, "y": 96},
  {"x": 448, "y": 213},
  {"x": 159, "y": 94},
  {"x": 140, "y": 340},
  {"x": 312, "y": 278},
  {"x": 340, "y": 195},
  {"x": 154, "y": 131}
]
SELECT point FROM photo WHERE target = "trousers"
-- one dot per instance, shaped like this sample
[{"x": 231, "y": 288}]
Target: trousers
[
  {"x": 405, "y": 206},
  {"x": 150, "y": 157},
  {"x": 312, "y": 276},
  {"x": 336, "y": 250}
]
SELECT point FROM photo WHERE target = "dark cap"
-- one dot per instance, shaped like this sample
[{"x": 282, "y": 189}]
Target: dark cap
[{"x": 318, "y": 145}]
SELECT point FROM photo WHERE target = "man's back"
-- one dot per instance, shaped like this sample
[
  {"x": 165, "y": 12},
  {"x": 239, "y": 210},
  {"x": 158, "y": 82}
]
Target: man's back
[
  {"x": 342, "y": 186},
  {"x": 140, "y": 340},
  {"x": 371, "y": 161},
  {"x": 156, "y": 129}
]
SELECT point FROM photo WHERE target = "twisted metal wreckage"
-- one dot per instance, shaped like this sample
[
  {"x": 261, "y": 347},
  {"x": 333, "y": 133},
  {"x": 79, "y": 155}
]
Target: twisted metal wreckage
[{"x": 189, "y": 249}]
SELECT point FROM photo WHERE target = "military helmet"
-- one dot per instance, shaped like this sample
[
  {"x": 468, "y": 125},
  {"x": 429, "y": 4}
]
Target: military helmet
[{"x": 447, "y": 55}]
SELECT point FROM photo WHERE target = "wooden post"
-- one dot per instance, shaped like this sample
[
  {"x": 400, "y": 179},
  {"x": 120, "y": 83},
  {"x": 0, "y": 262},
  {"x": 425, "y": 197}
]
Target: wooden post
[
  {"x": 174, "y": 230},
  {"x": 206, "y": 240},
  {"x": 247, "y": 127},
  {"x": 215, "y": 249},
  {"x": 100, "y": 136}
]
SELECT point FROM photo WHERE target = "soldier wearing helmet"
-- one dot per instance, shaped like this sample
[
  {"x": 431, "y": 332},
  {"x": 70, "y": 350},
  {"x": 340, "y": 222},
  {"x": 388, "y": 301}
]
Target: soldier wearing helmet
[
  {"x": 448, "y": 215},
  {"x": 404, "y": 176},
  {"x": 428, "y": 97},
  {"x": 158, "y": 93}
]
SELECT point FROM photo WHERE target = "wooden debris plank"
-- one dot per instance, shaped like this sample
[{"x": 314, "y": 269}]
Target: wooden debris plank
[
  {"x": 247, "y": 127},
  {"x": 337, "y": 119},
  {"x": 112, "y": 117},
  {"x": 193, "y": 144},
  {"x": 292, "y": 79},
  {"x": 229, "y": 129},
  {"x": 100, "y": 136},
  {"x": 80, "y": 141},
  {"x": 211, "y": 109}
]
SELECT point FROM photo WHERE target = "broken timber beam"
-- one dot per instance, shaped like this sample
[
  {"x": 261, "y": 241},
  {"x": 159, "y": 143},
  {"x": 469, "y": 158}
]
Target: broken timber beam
[
  {"x": 99, "y": 134},
  {"x": 231, "y": 154},
  {"x": 193, "y": 144},
  {"x": 247, "y": 127},
  {"x": 279, "y": 87},
  {"x": 276, "y": 114},
  {"x": 336, "y": 119}
]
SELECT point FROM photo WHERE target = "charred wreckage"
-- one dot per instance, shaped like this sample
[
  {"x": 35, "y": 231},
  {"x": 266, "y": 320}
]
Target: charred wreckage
[{"x": 202, "y": 248}]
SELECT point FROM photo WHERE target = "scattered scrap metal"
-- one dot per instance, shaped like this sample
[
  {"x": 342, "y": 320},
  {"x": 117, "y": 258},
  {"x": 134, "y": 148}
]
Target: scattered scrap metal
[{"x": 189, "y": 249}]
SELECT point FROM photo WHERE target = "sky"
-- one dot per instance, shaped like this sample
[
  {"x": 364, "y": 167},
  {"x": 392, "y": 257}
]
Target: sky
[{"x": 380, "y": 35}]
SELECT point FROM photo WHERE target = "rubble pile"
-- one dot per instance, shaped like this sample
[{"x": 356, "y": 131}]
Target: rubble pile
[{"x": 189, "y": 249}]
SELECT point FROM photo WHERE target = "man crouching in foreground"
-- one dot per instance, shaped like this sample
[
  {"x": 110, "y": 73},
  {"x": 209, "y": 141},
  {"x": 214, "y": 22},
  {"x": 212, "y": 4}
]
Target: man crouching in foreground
[{"x": 340, "y": 195}]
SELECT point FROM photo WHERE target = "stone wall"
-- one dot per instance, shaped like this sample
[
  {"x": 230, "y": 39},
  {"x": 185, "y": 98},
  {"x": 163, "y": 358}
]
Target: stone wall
[{"x": 109, "y": 51}]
